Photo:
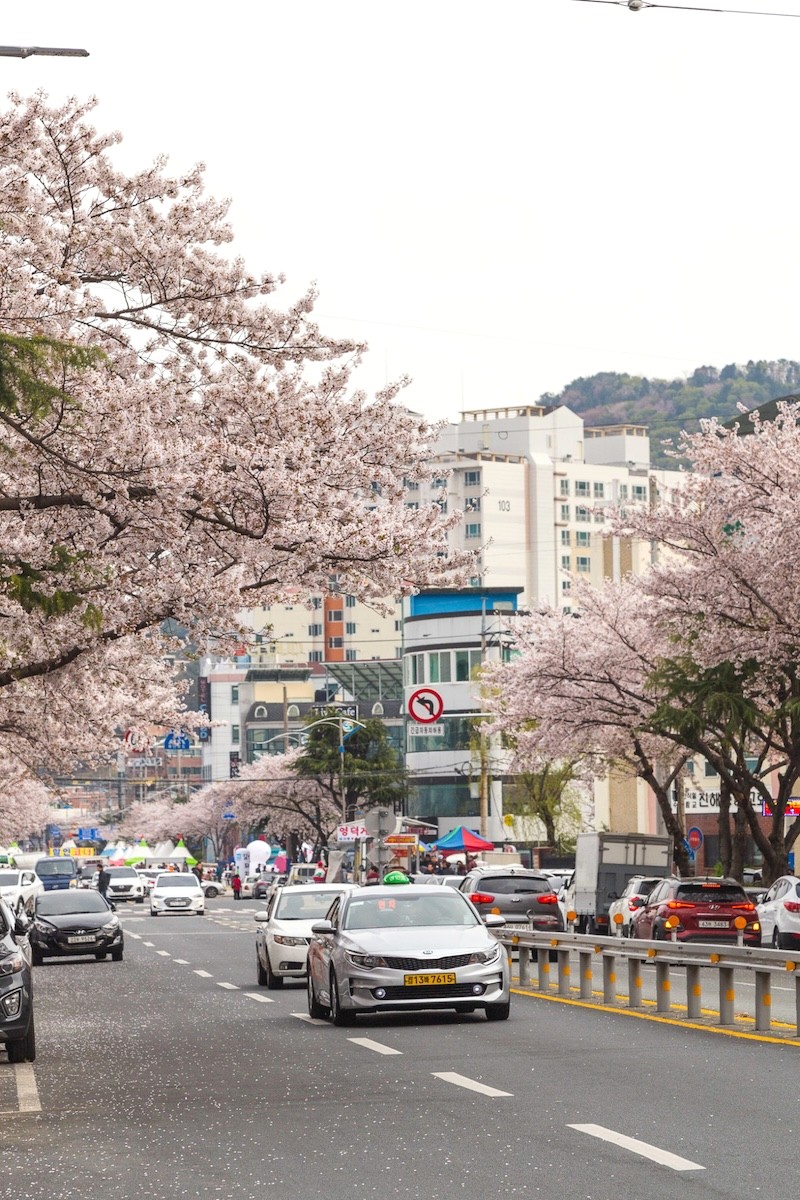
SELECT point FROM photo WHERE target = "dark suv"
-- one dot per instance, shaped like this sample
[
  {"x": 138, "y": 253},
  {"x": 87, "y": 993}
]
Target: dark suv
[
  {"x": 524, "y": 897},
  {"x": 704, "y": 909},
  {"x": 16, "y": 988}
]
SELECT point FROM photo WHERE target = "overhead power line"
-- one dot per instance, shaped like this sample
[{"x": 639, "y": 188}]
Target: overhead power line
[{"x": 638, "y": 5}]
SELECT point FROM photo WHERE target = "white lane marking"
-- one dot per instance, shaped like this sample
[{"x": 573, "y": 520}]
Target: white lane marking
[
  {"x": 27, "y": 1091},
  {"x": 138, "y": 936},
  {"x": 151, "y": 944},
  {"x": 308, "y": 1020},
  {"x": 204, "y": 974},
  {"x": 378, "y": 1047},
  {"x": 472, "y": 1085},
  {"x": 231, "y": 987},
  {"x": 183, "y": 961},
  {"x": 260, "y": 998},
  {"x": 164, "y": 953},
  {"x": 664, "y": 1157}
]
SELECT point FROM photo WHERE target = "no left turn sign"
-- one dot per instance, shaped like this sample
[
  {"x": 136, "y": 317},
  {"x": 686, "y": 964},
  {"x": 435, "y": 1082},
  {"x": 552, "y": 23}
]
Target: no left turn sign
[{"x": 425, "y": 706}]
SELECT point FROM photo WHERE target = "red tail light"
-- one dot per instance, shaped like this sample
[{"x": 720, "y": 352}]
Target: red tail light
[
  {"x": 636, "y": 902},
  {"x": 680, "y": 904},
  {"x": 548, "y": 898},
  {"x": 792, "y": 906},
  {"x": 743, "y": 907},
  {"x": 481, "y": 898}
]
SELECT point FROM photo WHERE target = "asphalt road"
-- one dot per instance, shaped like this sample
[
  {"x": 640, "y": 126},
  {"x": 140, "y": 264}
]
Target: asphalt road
[{"x": 172, "y": 1074}]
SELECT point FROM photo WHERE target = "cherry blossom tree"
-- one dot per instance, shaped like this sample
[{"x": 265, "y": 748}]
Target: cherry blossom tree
[
  {"x": 26, "y": 802},
  {"x": 174, "y": 442}
]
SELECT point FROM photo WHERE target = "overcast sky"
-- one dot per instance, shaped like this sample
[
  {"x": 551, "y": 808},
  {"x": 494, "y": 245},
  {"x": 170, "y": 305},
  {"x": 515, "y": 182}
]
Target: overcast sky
[{"x": 498, "y": 198}]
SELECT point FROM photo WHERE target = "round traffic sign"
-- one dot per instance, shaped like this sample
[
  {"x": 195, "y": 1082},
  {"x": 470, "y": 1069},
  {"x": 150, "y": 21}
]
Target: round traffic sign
[
  {"x": 425, "y": 706},
  {"x": 694, "y": 837}
]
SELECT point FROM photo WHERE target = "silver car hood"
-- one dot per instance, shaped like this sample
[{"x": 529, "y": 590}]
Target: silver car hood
[{"x": 448, "y": 939}]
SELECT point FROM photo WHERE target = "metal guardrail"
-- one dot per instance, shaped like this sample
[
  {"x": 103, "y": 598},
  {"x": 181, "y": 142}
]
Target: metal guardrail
[{"x": 536, "y": 948}]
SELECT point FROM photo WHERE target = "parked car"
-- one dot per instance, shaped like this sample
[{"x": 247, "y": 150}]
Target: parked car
[
  {"x": 405, "y": 947},
  {"x": 779, "y": 913},
  {"x": 284, "y": 929},
  {"x": 77, "y": 921},
  {"x": 177, "y": 892},
  {"x": 524, "y": 897},
  {"x": 248, "y": 886},
  {"x": 19, "y": 889},
  {"x": 148, "y": 876},
  {"x": 706, "y": 909},
  {"x": 211, "y": 888},
  {"x": 266, "y": 885},
  {"x": 125, "y": 884},
  {"x": 16, "y": 987},
  {"x": 634, "y": 896}
]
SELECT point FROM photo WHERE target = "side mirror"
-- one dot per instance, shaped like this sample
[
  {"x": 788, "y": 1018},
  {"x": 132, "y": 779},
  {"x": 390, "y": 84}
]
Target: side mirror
[
  {"x": 261, "y": 917},
  {"x": 21, "y": 925},
  {"x": 322, "y": 927},
  {"x": 493, "y": 921}
]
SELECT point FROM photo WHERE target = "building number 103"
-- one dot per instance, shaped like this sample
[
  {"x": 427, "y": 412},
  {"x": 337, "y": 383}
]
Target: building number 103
[{"x": 504, "y": 505}]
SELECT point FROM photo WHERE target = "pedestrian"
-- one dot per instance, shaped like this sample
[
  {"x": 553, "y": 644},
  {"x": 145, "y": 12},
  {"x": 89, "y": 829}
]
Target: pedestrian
[
  {"x": 198, "y": 872},
  {"x": 103, "y": 880},
  {"x": 236, "y": 884}
]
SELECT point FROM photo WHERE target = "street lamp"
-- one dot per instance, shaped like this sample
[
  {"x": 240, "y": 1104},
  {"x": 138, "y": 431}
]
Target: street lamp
[{"x": 346, "y": 727}]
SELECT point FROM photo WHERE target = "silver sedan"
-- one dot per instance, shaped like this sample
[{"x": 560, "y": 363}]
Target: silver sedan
[{"x": 405, "y": 947}]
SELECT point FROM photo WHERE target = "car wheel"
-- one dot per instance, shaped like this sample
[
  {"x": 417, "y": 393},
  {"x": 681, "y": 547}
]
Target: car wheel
[
  {"x": 273, "y": 980},
  {"x": 37, "y": 958},
  {"x": 340, "y": 1016},
  {"x": 201, "y": 912},
  {"x": 498, "y": 1012},
  {"x": 100, "y": 955},
  {"x": 315, "y": 1009},
  {"x": 784, "y": 942},
  {"x": 116, "y": 955},
  {"x": 212, "y": 892},
  {"x": 261, "y": 973},
  {"x": 140, "y": 899},
  {"x": 153, "y": 912},
  {"x": 22, "y": 1048}
]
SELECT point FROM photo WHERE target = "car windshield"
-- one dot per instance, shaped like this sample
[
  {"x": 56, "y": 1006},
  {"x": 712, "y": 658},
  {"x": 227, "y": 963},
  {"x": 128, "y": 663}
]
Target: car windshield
[
  {"x": 177, "y": 881},
  {"x": 406, "y": 908},
  {"x": 306, "y": 906},
  {"x": 122, "y": 873},
  {"x": 711, "y": 893},
  {"x": 9, "y": 878},
  {"x": 56, "y": 866},
  {"x": 512, "y": 885},
  {"x": 57, "y": 904}
]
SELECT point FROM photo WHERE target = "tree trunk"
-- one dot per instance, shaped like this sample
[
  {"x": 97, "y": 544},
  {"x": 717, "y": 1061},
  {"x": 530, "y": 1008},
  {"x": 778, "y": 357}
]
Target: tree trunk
[
  {"x": 740, "y": 834},
  {"x": 725, "y": 846}
]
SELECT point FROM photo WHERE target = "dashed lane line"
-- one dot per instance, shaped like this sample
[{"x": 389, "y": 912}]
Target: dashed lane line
[
  {"x": 230, "y": 987},
  {"x": 258, "y": 996},
  {"x": 664, "y": 1158},
  {"x": 378, "y": 1047},
  {"x": 184, "y": 962},
  {"x": 164, "y": 953},
  {"x": 471, "y": 1085},
  {"x": 310, "y": 1020},
  {"x": 204, "y": 974},
  {"x": 27, "y": 1092}
]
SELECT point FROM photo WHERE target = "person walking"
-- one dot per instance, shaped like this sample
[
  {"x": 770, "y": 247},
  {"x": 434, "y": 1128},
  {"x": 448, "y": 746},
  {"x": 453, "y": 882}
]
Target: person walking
[
  {"x": 103, "y": 880},
  {"x": 236, "y": 884}
]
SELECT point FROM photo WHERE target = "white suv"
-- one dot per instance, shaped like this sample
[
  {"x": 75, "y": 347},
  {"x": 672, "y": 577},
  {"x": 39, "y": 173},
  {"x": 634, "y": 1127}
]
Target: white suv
[
  {"x": 177, "y": 892},
  {"x": 19, "y": 889}
]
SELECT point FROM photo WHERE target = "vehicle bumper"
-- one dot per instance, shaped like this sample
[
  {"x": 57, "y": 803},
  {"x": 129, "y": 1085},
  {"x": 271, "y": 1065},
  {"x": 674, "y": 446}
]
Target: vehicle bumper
[
  {"x": 176, "y": 908},
  {"x": 288, "y": 961},
  {"x": 57, "y": 945},
  {"x": 383, "y": 989}
]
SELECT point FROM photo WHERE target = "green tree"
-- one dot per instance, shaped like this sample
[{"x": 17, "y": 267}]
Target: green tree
[
  {"x": 367, "y": 773},
  {"x": 547, "y": 796}
]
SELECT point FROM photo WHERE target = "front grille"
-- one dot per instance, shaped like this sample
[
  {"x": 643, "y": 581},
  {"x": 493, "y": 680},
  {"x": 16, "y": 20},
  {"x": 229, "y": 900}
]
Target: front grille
[
  {"x": 429, "y": 964},
  {"x": 443, "y": 991}
]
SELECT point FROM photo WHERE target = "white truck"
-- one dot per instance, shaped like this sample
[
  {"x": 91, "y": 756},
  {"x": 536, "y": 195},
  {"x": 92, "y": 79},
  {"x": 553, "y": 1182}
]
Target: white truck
[{"x": 604, "y": 862}]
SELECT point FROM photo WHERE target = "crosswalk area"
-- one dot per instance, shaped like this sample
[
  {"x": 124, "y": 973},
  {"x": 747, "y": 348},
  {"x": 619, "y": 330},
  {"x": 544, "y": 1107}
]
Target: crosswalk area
[{"x": 18, "y": 1092}]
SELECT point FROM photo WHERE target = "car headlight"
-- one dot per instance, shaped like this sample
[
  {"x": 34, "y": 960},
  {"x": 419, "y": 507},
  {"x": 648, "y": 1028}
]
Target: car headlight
[
  {"x": 486, "y": 956},
  {"x": 42, "y": 926},
  {"x": 368, "y": 961},
  {"x": 11, "y": 964},
  {"x": 111, "y": 925},
  {"x": 290, "y": 941}
]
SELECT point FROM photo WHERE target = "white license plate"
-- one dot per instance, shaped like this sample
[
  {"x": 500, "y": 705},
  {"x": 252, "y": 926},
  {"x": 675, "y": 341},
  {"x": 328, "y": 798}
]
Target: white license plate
[
  {"x": 178, "y": 903},
  {"x": 713, "y": 924},
  {"x": 87, "y": 937}
]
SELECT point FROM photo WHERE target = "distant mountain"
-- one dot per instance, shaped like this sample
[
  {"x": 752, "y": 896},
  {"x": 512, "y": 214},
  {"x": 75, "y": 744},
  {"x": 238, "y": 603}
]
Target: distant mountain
[{"x": 668, "y": 406}]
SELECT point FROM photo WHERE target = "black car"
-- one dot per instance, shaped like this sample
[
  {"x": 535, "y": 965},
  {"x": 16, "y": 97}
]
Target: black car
[
  {"x": 75, "y": 922},
  {"x": 524, "y": 897},
  {"x": 16, "y": 988}
]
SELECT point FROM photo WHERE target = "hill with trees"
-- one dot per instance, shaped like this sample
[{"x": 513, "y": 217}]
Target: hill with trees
[{"x": 669, "y": 406}]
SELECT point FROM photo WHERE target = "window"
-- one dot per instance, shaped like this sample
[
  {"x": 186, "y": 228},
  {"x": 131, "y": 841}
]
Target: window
[
  {"x": 709, "y": 768},
  {"x": 582, "y": 537},
  {"x": 582, "y": 514},
  {"x": 623, "y": 491},
  {"x": 335, "y": 643},
  {"x": 466, "y": 662},
  {"x": 335, "y": 614},
  {"x": 315, "y": 631},
  {"x": 473, "y": 504},
  {"x": 564, "y": 512},
  {"x": 472, "y": 531},
  {"x": 412, "y": 504},
  {"x": 439, "y": 667},
  {"x": 599, "y": 491},
  {"x": 260, "y": 711},
  {"x": 350, "y": 627},
  {"x": 234, "y": 734},
  {"x": 565, "y": 585},
  {"x": 293, "y": 711},
  {"x": 583, "y": 564},
  {"x": 564, "y": 537},
  {"x": 581, "y": 487},
  {"x": 598, "y": 518},
  {"x": 439, "y": 483},
  {"x": 472, "y": 479},
  {"x": 411, "y": 485},
  {"x": 377, "y": 709},
  {"x": 639, "y": 491},
  {"x": 234, "y": 693},
  {"x": 315, "y": 656},
  {"x": 563, "y": 487},
  {"x": 566, "y": 562},
  {"x": 316, "y": 602},
  {"x": 350, "y": 601},
  {"x": 350, "y": 655}
]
